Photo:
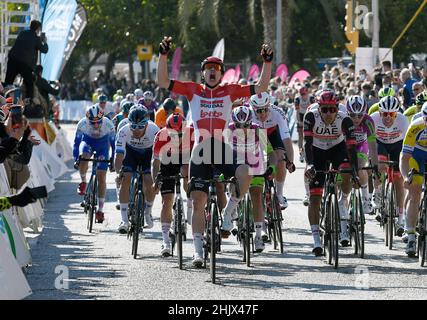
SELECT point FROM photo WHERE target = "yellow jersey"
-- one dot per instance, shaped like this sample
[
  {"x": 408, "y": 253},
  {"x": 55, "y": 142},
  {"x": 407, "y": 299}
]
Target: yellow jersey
[
  {"x": 410, "y": 112},
  {"x": 374, "y": 108},
  {"x": 416, "y": 137}
]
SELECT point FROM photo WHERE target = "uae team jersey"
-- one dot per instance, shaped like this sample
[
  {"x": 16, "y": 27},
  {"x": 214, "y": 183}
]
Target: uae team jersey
[
  {"x": 210, "y": 109},
  {"x": 393, "y": 134}
]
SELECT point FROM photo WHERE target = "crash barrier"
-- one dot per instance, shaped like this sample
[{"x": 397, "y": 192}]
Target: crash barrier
[{"x": 46, "y": 165}]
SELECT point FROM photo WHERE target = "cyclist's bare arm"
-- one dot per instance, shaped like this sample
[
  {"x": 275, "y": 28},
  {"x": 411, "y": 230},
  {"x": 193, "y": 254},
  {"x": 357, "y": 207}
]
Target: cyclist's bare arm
[
  {"x": 162, "y": 66},
  {"x": 264, "y": 79}
]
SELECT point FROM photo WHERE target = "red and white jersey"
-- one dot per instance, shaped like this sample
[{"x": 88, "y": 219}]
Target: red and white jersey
[
  {"x": 393, "y": 134},
  {"x": 167, "y": 144},
  {"x": 210, "y": 109}
]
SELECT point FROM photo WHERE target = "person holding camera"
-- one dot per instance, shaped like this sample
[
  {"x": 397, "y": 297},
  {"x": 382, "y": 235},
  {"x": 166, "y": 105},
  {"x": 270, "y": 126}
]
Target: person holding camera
[{"x": 23, "y": 56}]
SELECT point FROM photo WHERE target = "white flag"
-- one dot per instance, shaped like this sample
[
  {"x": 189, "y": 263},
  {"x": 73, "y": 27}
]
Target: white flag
[{"x": 219, "y": 50}]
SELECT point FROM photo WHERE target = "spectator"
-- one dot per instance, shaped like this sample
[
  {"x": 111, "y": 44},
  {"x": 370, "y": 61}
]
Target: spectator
[
  {"x": 168, "y": 107},
  {"x": 386, "y": 66},
  {"x": 408, "y": 95},
  {"x": 10, "y": 142},
  {"x": 23, "y": 56},
  {"x": 45, "y": 89}
]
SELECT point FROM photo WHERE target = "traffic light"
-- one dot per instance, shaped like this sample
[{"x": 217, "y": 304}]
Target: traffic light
[{"x": 351, "y": 34}]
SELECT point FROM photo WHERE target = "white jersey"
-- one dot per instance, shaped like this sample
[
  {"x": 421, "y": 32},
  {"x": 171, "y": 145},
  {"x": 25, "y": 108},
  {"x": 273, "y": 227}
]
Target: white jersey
[
  {"x": 122, "y": 124},
  {"x": 327, "y": 136},
  {"x": 276, "y": 117},
  {"x": 416, "y": 116},
  {"x": 393, "y": 134},
  {"x": 125, "y": 138}
]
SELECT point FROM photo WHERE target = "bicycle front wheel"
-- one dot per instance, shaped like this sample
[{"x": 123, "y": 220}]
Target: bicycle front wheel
[
  {"x": 277, "y": 219},
  {"x": 333, "y": 229},
  {"x": 247, "y": 228},
  {"x": 214, "y": 239},
  {"x": 422, "y": 227},
  {"x": 93, "y": 187},
  {"x": 179, "y": 233},
  {"x": 138, "y": 214},
  {"x": 392, "y": 214}
]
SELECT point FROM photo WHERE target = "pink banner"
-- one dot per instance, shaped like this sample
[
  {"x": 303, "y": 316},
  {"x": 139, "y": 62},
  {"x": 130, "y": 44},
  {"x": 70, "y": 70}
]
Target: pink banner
[
  {"x": 282, "y": 72},
  {"x": 253, "y": 73},
  {"x": 176, "y": 63},
  {"x": 300, "y": 75},
  {"x": 228, "y": 76},
  {"x": 237, "y": 74}
]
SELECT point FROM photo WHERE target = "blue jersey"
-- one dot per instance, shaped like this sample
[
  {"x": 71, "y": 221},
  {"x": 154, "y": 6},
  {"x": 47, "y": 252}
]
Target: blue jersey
[{"x": 98, "y": 138}]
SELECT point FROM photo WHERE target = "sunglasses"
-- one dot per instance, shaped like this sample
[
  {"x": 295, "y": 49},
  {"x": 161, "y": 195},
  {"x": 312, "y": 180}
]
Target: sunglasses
[
  {"x": 389, "y": 114},
  {"x": 138, "y": 126},
  {"x": 356, "y": 115},
  {"x": 264, "y": 110},
  {"x": 95, "y": 121},
  {"x": 329, "y": 109},
  {"x": 242, "y": 125},
  {"x": 215, "y": 66}
]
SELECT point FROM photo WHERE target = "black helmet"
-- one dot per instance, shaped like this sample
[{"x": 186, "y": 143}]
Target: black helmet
[{"x": 169, "y": 104}]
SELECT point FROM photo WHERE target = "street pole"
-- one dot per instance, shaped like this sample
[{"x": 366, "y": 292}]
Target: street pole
[
  {"x": 376, "y": 33},
  {"x": 278, "y": 32}
]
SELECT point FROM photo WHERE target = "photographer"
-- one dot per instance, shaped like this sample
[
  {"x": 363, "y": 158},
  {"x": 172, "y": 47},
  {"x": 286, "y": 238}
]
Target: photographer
[
  {"x": 16, "y": 161},
  {"x": 44, "y": 87},
  {"x": 23, "y": 56}
]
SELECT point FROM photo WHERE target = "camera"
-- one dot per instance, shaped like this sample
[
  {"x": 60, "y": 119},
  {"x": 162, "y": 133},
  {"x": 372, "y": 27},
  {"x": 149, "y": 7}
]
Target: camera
[{"x": 16, "y": 115}]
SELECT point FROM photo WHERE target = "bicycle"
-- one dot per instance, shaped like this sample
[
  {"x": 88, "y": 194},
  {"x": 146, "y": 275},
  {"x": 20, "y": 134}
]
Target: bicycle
[
  {"x": 212, "y": 236},
  {"x": 388, "y": 207},
  {"x": 245, "y": 228},
  {"x": 421, "y": 228},
  {"x": 136, "y": 209},
  {"x": 90, "y": 200},
  {"x": 330, "y": 220},
  {"x": 179, "y": 225},
  {"x": 357, "y": 217},
  {"x": 273, "y": 212}
]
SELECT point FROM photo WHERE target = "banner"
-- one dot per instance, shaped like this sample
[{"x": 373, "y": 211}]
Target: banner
[
  {"x": 237, "y": 74},
  {"x": 282, "y": 72},
  {"x": 300, "y": 75},
  {"x": 57, "y": 22},
  {"x": 77, "y": 27},
  {"x": 219, "y": 50},
  {"x": 176, "y": 63},
  {"x": 228, "y": 76},
  {"x": 253, "y": 73}
]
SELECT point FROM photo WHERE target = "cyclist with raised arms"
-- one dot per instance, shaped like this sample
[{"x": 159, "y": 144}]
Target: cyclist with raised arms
[
  {"x": 94, "y": 133},
  {"x": 134, "y": 146},
  {"x": 366, "y": 146},
  {"x": 413, "y": 157},
  {"x": 329, "y": 137},
  {"x": 210, "y": 105},
  {"x": 171, "y": 153},
  {"x": 390, "y": 130},
  {"x": 273, "y": 119}
]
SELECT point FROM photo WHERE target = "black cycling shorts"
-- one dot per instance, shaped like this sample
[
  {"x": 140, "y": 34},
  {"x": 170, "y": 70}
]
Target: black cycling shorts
[
  {"x": 134, "y": 158},
  {"x": 276, "y": 140},
  {"x": 390, "y": 152},
  {"x": 219, "y": 159},
  {"x": 337, "y": 156},
  {"x": 168, "y": 185}
]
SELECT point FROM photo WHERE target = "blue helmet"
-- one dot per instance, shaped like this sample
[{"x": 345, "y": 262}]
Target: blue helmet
[
  {"x": 125, "y": 106},
  {"x": 102, "y": 98},
  {"x": 94, "y": 113},
  {"x": 138, "y": 116}
]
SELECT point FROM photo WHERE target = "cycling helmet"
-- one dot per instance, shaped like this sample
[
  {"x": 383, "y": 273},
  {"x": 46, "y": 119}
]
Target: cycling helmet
[
  {"x": 386, "y": 92},
  {"x": 119, "y": 99},
  {"x": 102, "y": 98},
  {"x": 424, "y": 110},
  {"x": 169, "y": 104},
  {"x": 356, "y": 104},
  {"x": 421, "y": 98},
  {"x": 242, "y": 115},
  {"x": 125, "y": 106},
  {"x": 138, "y": 93},
  {"x": 138, "y": 116},
  {"x": 130, "y": 97},
  {"x": 213, "y": 60},
  {"x": 327, "y": 97},
  {"x": 94, "y": 113},
  {"x": 389, "y": 104},
  {"x": 175, "y": 121},
  {"x": 260, "y": 100},
  {"x": 119, "y": 92},
  {"x": 148, "y": 95}
]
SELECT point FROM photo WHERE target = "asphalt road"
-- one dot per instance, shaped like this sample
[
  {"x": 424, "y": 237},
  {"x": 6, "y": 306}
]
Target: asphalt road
[{"x": 100, "y": 265}]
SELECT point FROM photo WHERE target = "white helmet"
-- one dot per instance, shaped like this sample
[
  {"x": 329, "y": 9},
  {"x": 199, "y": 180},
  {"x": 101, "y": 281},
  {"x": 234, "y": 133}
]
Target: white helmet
[
  {"x": 389, "y": 104},
  {"x": 260, "y": 101},
  {"x": 424, "y": 109},
  {"x": 356, "y": 104},
  {"x": 130, "y": 97},
  {"x": 242, "y": 115},
  {"x": 138, "y": 93},
  {"x": 148, "y": 95}
]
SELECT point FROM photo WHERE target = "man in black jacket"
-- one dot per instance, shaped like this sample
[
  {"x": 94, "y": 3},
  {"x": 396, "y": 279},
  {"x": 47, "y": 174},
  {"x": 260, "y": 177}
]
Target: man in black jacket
[
  {"x": 45, "y": 89},
  {"x": 23, "y": 56}
]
